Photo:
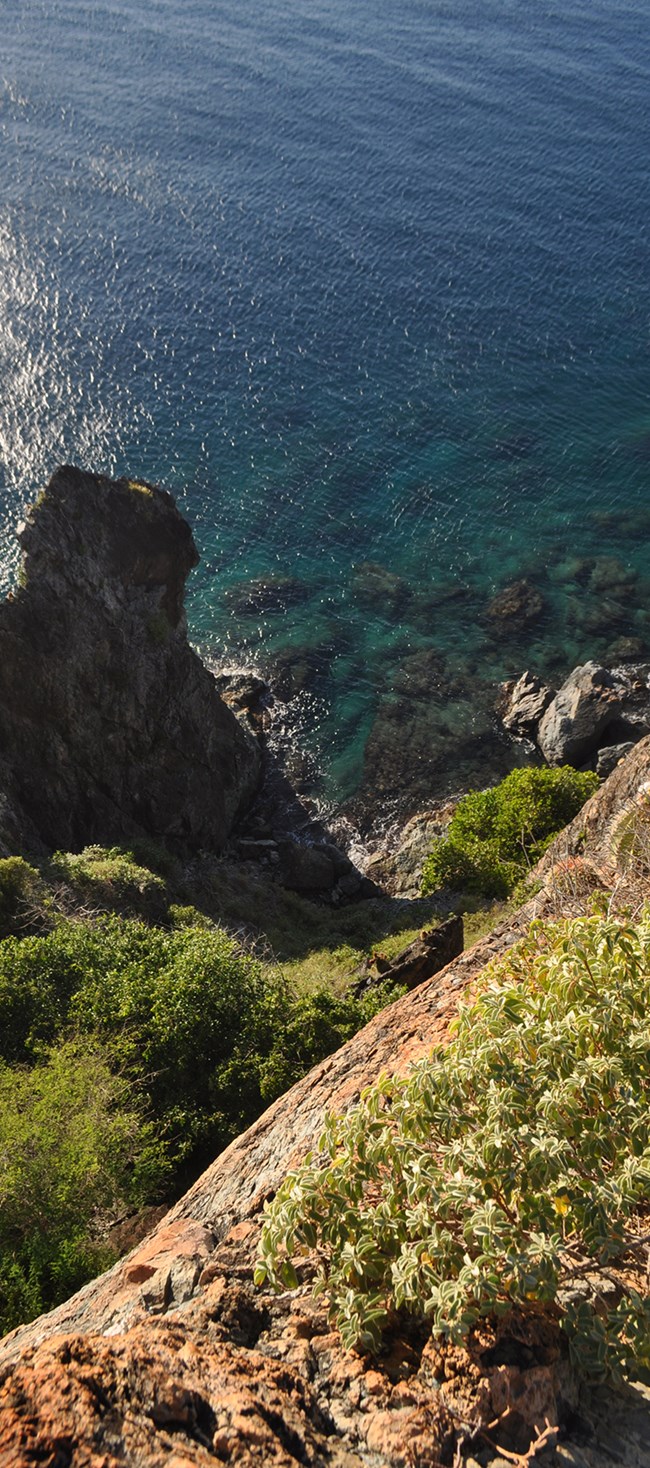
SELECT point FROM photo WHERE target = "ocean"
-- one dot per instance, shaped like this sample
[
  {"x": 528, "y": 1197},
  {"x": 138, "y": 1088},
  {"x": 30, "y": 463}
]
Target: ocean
[{"x": 366, "y": 286}]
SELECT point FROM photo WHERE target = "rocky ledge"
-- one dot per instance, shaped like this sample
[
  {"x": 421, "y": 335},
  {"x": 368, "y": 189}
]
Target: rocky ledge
[
  {"x": 594, "y": 719},
  {"x": 110, "y": 725},
  {"x": 173, "y": 1358}
]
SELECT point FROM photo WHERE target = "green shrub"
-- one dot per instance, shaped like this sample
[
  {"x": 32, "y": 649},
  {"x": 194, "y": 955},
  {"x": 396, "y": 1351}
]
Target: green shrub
[
  {"x": 129, "y": 1056},
  {"x": 316, "y": 1025},
  {"x": 496, "y": 835},
  {"x": 38, "y": 977},
  {"x": 20, "y": 886},
  {"x": 172, "y": 1006},
  {"x": 112, "y": 878},
  {"x": 72, "y": 1141},
  {"x": 213, "y": 1033},
  {"x": 186, "y": 916},
  {"x": 507, "y": 1170},
  {"x": 175, "y": 1009}
]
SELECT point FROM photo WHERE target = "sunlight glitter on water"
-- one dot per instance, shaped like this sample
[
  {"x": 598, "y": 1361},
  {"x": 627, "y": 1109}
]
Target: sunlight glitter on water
[{"x": 363, "y": 289}]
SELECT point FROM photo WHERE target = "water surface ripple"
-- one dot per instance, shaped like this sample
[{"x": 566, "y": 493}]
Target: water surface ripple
[{"x": 366, "y": 286}]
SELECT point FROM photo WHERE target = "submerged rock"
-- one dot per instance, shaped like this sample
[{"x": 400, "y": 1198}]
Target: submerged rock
[
  {"x": 609, "y": 574},
  {"x": 422, "y": 748},
  {"x": 266, "y": 594},
  {"x": 298, "y": 668},
  {"x": 110, "y": 725},
  {"x": 421, "y": 674},
  {"x": 377, "y": 589},
  {"x": 515, "y": 606},
  {"x": 626, "y": 650}
]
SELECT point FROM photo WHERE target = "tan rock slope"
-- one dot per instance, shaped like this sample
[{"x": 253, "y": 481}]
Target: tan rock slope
[{"x": 174, "y": 1358}]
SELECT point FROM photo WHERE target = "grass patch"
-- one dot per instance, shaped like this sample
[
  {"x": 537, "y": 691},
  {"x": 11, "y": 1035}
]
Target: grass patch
[{"x": 293, "y": 930}]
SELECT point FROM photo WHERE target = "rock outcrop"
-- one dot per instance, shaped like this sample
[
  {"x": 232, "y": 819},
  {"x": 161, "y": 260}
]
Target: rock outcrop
[
  {"x": 110, "y": 725},
  {"x": 527, "y": 702},
  {"x": 174, "y": 1359},
  {"x": 596, "y": 716},
  {"x": 579, "y": 714},
  {"x": 432, "y": 951}
]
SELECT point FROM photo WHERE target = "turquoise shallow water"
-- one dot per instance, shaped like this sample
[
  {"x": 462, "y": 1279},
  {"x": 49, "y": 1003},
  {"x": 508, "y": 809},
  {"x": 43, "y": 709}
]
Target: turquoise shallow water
[{"x": 360, "y": 284}]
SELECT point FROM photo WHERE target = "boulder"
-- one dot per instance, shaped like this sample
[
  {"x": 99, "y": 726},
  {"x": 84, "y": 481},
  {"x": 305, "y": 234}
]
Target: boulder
[
  {"x": 423, "y": 958},
  {"x": 306, "y": 868},
  {"x": 610, "y": 756},
  {"x": 110, "y": 725},
  {"x": 574, "y": 722},
  {"x": 526, "y": 704},
  {"x": 397, "y": 865},
  {"x": 249, "y": 697}
]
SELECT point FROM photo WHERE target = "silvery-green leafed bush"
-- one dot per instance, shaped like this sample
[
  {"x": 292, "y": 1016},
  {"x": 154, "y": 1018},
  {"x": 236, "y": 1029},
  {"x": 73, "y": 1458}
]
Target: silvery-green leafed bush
[{"x": 511, "y": 1169}]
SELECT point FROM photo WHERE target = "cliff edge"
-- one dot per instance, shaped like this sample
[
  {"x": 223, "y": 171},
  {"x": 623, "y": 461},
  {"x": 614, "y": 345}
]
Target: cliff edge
[
  {"x": 110, "y": 725},
  {"x": 174, "y": 1358}
]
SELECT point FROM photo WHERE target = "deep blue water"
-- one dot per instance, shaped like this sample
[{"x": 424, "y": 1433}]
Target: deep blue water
[{"x": 359, "y": 282}]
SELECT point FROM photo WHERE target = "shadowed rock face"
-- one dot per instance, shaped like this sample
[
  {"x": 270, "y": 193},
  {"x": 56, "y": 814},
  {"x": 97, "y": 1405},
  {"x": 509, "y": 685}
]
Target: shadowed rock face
[{"x": 109, "y": 723}]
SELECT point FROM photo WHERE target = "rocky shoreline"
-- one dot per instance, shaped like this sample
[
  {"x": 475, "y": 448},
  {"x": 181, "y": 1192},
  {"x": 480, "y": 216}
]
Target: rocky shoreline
[
  {"x": 591, "y": 721},
  {"x": 111, "y": 726},
  {"x": 389, "y": 679}
]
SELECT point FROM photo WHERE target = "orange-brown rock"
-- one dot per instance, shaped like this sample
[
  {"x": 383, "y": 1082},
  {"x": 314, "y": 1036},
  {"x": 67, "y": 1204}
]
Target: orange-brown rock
[{"x": 173, "y": 1357}]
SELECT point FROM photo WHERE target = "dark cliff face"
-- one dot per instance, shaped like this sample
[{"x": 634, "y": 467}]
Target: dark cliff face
[{"x": 109, "y": 723}]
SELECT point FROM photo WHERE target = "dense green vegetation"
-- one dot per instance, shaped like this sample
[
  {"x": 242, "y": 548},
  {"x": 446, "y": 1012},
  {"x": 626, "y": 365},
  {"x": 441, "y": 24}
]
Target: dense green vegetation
[
  {"x": 509, "y": 1170},
  {"x": 495, "y": 836},
  {"x": 148, "y": 1014},
  {"x": 74, "y": 1143},
  {"x": 132, "y": 1052}
]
